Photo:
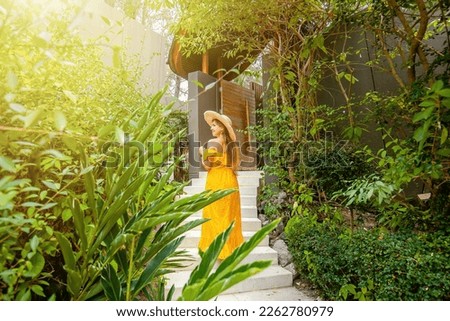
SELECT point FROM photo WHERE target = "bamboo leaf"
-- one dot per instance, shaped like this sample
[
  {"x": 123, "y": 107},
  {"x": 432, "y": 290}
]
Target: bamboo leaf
[
  {"x": 162, "y": 202},
  {"x": 89, "y": 184},
  {"x": 115, "y": 210},
  {"x": 143, "y": 238},
  {"x": 166, "y": 235},
  {"x": 162, "y": 182},
  {"x": 192, "y": 291},
  {"x": 154, "y": 264},
  {"x": 111, "y": 284},
  {"x": 74, "y": 281},
  {"x": 197, "y": 83},
  {"x": 148, "y": 223},
  {"x": 66, "y": 249},
  {"x": 78, "y": 219},
  {"x": 100, "y": 236},
  {"x": 145, "y": 187},
  {"x": 117, "y": 187},
  {"x": 118, "y": 242},
  {"x": 108, "y": 220},
  {"x": 238, "y": 275},
  {"x": 201, "y": 272},
  {"x": 93, "y": 291},
  {"x": 106, "y": 130},
  {"x": 242, "y": 251}
]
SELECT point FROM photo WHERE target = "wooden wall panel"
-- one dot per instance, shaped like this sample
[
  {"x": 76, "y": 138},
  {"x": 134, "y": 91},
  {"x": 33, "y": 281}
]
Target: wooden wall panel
[{"x": 239, "y": 104}]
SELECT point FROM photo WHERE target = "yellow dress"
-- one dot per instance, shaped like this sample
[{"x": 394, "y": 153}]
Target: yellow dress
[{"x": 224, "y": 211}]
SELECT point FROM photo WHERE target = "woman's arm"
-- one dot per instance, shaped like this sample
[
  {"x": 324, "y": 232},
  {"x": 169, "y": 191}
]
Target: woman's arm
[
  {"x": 210, "y": 153},
  {"x": 205, "y": 162}
]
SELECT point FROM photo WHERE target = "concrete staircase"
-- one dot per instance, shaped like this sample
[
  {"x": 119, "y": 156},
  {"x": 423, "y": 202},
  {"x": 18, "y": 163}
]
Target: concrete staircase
[{"x": 273, "y": 278}]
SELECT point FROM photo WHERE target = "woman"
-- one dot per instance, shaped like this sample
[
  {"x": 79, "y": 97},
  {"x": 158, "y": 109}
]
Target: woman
[{"x": 221, "y": 163}]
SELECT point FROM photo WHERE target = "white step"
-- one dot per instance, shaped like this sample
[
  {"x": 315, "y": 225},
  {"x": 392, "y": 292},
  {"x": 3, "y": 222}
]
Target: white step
[
  {"x": 272, "y": 277},
  {"x": 279, "y": 294},
  {"x": 242, "y": 180},
  {"x": 258, "y": 253},
  {"x": 193, "y": 237},
  {"x": 251, "y": 224},
  {"x": 246, "y": 211},
  {"x": 258, "y": 174},
  {"x": 245, "y": 199},
  {"x": 243, "y": 190}
]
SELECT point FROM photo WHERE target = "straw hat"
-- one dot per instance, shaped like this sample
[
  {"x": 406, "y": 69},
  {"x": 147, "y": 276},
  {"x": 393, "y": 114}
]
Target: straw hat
[{"x": 225, "y": 120}]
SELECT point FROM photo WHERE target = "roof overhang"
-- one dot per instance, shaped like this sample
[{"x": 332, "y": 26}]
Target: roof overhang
[{"x": 214, "y": 62}]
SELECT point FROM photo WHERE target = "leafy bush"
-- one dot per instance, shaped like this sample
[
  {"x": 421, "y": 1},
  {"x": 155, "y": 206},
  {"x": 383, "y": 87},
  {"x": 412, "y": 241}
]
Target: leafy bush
[
  {"x": 333, "y": 168},
  {"x": 370, "y": 265},
  {"x": 420, "y": 160},
  {"x": 58, "y": 103}
]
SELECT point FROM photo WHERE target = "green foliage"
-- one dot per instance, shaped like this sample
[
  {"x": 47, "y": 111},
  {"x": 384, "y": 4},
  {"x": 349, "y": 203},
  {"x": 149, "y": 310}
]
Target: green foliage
[
  {"x": 333, "y": 167},
  {"x": 371, "y": 265},
  {"x": 129, "y": 225},
  {"x": 432, "y": 134},
  {"x": 55, "y": 95},
  {"x": 367, "y": 190},
  {"x": 88, "y": 208},
  {"x": 304, "y": 50}
]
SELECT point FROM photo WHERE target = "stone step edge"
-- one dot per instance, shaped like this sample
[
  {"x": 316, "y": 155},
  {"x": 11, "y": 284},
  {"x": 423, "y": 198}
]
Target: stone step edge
[
  {"x": 192, "y": 238},
  {"x": 270, "y": 278},
  {"x": 259, "y": 253},
  {"x": 193, "y": 252}
]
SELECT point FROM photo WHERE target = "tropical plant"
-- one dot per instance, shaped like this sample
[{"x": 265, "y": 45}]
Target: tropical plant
[
  {"x": 130, "y": 232},
  {"x": 205, "y": 284}
]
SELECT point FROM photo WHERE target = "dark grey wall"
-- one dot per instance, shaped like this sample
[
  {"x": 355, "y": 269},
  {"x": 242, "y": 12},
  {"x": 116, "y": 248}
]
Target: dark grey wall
[{"x": 200, "y": 100}]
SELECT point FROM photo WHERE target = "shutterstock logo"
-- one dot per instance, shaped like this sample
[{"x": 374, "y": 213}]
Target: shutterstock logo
[{"x": 285, "y": 153}]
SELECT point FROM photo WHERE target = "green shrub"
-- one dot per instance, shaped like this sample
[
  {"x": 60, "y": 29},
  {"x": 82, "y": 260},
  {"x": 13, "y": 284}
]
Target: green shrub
[
  {"x": 333, "y": 168},
  {"x": 370, "y": 265},
  {"x": 58, "y": 101}
]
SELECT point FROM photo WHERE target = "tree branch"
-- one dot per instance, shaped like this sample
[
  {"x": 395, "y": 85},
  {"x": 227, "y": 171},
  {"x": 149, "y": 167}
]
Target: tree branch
[
  {"x": 416, "y": 47},
  {"x": 389, "y": 59}
]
